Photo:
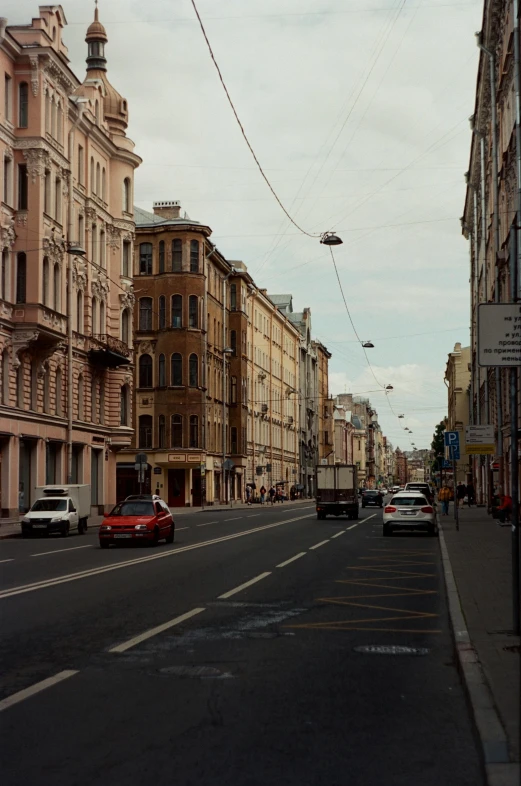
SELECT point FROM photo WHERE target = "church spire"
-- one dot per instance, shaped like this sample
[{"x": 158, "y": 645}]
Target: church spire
[{"x": 96, "y": 39}]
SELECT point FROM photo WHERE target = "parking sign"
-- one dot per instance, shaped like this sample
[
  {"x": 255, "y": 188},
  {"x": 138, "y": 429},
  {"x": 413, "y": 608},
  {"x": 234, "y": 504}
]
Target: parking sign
[{"x": 451, "y": 441}]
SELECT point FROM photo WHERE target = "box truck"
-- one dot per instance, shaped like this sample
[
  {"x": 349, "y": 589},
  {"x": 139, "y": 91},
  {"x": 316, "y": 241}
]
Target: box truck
[
  {"x": 337, "y": 490},
  {"x": 58, "y": 509}
]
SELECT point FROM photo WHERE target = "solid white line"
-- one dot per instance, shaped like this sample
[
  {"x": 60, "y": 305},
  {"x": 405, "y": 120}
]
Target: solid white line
[
  {"x": 353, "y": 525},
  {"x": 317, "y": 545},
  {"x": 6, "y": 560},
  {"x": 206, "y": 523},
  {"x": 23, "y": 588},
  {"x": 59, "y": 551},
  {"x": 246, "y": 584},
  {"x": 36, "y": 688},
  {"x": 297, "y": 556},
  {"x": 154, "y": 631},
  {"x": 342, "y": 532}
]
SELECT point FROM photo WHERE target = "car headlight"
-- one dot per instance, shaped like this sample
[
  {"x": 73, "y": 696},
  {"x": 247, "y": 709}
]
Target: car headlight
[
  {"x": 105, "y": 527},
  {"x": 56, "y": 519},
  {"x": 141, "y": 526}
]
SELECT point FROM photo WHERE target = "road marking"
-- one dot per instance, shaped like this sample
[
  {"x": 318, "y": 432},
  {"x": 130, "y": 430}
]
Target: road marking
[
  {"x": 342, "y": 532},
  {"x": 178, "y": 529},
  {"x": 370, "y": 517},
  {"x": 16, "y": 698},
  {"x": 246, "y": 584},
  {"x": 206, "y": 524},
  {"x": 235, "y": 518},
  {"x": 6, "y": 560},
  {"x": 253, "y": 516},
  {"x": 23, "y": 588},
  {"x": 318, "y": 545},
  {"x": 297, "y": 556},
  {"x": 353, "y": 525},
  {"x": 60, "y": 551},
  {"x": 154, "y": 631}
]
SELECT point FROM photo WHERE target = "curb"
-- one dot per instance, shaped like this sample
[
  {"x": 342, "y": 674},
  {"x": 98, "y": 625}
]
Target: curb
[
  {"x": 500, "y": 770},
  {"x": 10, "y": 535}
]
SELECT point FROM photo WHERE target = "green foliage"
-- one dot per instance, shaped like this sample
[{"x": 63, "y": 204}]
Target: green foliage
[{"x": 437, "y": 443}]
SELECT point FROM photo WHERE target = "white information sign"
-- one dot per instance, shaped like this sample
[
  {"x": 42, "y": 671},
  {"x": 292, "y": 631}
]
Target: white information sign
[
  {"x": 499, "y": 334},
  {"x": 479, "y": 435}
]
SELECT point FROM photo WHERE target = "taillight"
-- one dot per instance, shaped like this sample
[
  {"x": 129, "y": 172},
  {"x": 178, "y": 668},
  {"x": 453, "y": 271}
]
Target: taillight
[
  {"x": 390, "y": 509},
  {"x": 427, "y": 510}
]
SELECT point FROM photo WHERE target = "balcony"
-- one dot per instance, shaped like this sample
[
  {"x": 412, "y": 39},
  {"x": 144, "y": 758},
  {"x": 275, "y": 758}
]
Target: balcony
[{"x": 108, "y": 351}]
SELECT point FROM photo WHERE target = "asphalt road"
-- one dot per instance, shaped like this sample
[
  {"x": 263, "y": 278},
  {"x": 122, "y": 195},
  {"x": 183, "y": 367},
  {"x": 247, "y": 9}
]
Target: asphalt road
[{"x": 230, "y": 657}]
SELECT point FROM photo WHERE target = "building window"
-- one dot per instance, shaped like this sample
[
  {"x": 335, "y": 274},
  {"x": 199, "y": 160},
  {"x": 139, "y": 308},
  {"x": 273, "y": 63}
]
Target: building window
[
  {"x": 102, "y": 402},
  {"x": 125, "y": 326},
  {"x": 177, "y": 256},
  {"x": 126, "y": 258},
  {"x": 233, "y": 297},
  {"x": 23, "y": 105},
  {"x": 56, "y": 287},
  {"x": 103, "y": 249},
  {"x": 145, "y": 259},
  {"x": 47, "y": 192},
  {"x": 79, "y": 313},
  {"x": 98, "y": 179},
  {"x": 45, "y": 281},
  {"x": 58, "y": 392},
  {"x": 193, "y": 311},
  {"x": 161, "y": 431},
  {"x": 58, "y": 200},
  {"x": 81, "y": 231},
  {"x": 145, "y": 431},
  {"x": 194, "y": 431},
  {"x": 92, "y": 181},
  {"x": 94, "y": 401},
  {"x": 177, "y": 311},
  {"x": 194, "y": 256},
  {"x": 8, "y": 170},
  {"x": 94, "y": 315},
  {"x": 233, "y": 440},
  {"x": 161, "y": 256},
  {"x": 126, "y": 196},
  {"x": 233, "y": 341},
  {"x": 177, "y": 369},
  {"x": 161, "y": 371},
  {"x": 5, "y": 377},
  {"x": 21, "y": 277},
  {"x": 193, "y": 371},
  {"x": 124, "y": 411},
  {"x": 81, "y": 164},
  {"x": 145, "y": 313},
  {"x": 22, "y": 187},
  {"x": 176, "y": 438},
  {"x": 162, "y": 312},
  {"x": 81, "y": 397},
  {"x": 233, "y": 390},
  {"x": 104, "y": 185},
  {"x": 145, "y": 371},
  {"x": 94, "y": 244},
  {"x": 96, "y": 112},
  {"x": 8, "y": 97},
  {"x": 102, "y": 317}
]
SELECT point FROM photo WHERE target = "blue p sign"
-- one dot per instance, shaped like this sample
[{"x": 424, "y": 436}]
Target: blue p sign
[{"x": 451, "y": 439}]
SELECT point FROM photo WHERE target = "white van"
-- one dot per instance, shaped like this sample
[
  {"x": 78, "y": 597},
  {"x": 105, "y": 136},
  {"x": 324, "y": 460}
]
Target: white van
[{"x": 58, "y": 509}]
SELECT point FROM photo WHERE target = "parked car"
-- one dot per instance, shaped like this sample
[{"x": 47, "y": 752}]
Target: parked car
[
  {"x": 140, "y": 517},
  {"x": 422, "y": 488},
  {"x": 372, "y": 497},
  {"x": 409, "y": 510}
]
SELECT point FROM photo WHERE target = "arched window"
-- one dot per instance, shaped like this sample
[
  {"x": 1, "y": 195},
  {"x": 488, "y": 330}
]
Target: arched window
[
  {"x": 161, "y": 256},
  {"x": 60, "y": 123},
  {"x": 103, "y": 249},
  {"x": 92, "y": 181},
  {"x": 176, "y": 369},
  {"x": 45, "y": 281},
  {"x": 145, "y": 371},
  {"x": 95, "y": 248},
  {"x": 126, "y": 196},
  {"x": 96, "y": 111},
  {"x": 23, "y": 105},
  {"x": 79, "y": 313},
  {"x": 145, "y": 259},
  {"x": 56, "y": 300},
  {"x": 193, "y": 371},
  {"x": 177, "y": 256},
  {"x": 161, "y": 431},
  {"x": 145, "y": 313},
  {"x": 125, "y": 400},
  {"x": 81, "y": 398},
  {"x": 102, "y": 318},
  {"x": 145, "y": 431},
  {"x": 194, "y": 256},
  {"x": 176, "y": 438},
  {"x": 233, "y": 341},
  {"x": 125, "y": 326},
  {"x": 58, "y": 392},
  {"x": 98, "y": 179},
  {"x": 193, "y": 309},
  {"x": 194, "y": 431},
  {"x": 21, "y": 277},
  {"x": 162, "y": 312},
  {"x": 161, "y": 371},
  {"x": 94, "y": 316},
  {"x": 5, "y": 377},
  {"x": 177, "y": 311},
  {"x": 233, "y": 390},
  {"x": 104, "y": 185}
]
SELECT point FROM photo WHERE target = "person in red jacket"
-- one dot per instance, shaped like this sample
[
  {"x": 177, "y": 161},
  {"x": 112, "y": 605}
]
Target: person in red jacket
[{"x": 505, "y": 509}]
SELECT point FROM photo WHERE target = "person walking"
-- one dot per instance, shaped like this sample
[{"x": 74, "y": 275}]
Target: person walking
[
  {"x": 444, "y": 498},
  {"x": 248, "y": 495},
  {"x": 505, "y": 509},
  {"x": 471, "y": 494},
  {"x": 263, "y": 494},
  {"x": 271, "y": 493},
  {"x": 461, "y": 493}
]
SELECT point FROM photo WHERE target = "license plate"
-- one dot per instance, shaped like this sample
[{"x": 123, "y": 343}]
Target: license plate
[
  {"x": 122, "y": 535},
  {"x": 408, "y": 512},
  {"x": 39, "y": 526}
]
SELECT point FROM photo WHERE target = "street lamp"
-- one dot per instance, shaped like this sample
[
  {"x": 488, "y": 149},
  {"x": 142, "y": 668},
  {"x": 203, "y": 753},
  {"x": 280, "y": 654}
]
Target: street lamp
[
  {"x": 368, "y": 345},
  {"x": 389, "y": 387},
  {"x": 329, "y": 239}
]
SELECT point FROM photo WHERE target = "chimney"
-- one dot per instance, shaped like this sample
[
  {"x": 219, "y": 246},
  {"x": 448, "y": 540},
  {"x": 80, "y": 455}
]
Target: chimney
[{"x": 168, "y": 209}]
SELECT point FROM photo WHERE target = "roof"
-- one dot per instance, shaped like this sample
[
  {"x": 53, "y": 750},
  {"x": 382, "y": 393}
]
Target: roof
[
  {"x": 145, "y": 219},
  {"x": 282, "y": 300}
]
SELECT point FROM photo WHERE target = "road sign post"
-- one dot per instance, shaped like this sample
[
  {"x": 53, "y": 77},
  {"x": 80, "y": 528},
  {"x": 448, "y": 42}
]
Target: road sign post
[{"x": 140, "y": 465}]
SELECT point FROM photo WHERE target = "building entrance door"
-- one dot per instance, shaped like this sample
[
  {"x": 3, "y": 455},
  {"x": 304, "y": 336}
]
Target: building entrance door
[
  {"x": 24, "y": 488},
  {"x": 196, "y": 488},
  {"x": 176, "y": 488}
]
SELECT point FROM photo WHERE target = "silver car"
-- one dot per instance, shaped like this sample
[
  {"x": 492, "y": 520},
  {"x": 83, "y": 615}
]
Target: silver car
[{"x": 409, "y": 510}]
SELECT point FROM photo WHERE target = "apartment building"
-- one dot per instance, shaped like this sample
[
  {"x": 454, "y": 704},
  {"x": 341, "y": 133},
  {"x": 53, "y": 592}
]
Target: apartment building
[
  {"x": 457, "y": 378},
  {"x": 325, "y": 404},
  {"x": 66, "y": 297}
]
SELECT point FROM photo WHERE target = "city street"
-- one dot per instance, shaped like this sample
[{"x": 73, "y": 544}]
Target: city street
[{"x": 233, "y": 656}]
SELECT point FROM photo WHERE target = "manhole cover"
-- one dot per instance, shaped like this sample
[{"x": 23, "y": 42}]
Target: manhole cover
[
  {"x": 514, "y": 648},
  {"x": 382, "y": 649},
  {"x": 195, "y": 671}
]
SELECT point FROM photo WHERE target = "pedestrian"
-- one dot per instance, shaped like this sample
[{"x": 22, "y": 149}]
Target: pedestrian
[
  {"x": 505, "y": 509},
  {"x": 471, "y": 494},
  {"x": 461, "y": 493},
  {"x": 272, "y": 494},
  {"x": 248, "y": 495},
  {"x": 444, "y": 498},
  {"x": 263, "y": 494}
]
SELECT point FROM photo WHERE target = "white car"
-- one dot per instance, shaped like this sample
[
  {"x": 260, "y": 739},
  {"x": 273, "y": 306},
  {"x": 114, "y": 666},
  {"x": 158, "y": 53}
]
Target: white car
[{"x": 409, "y": 510}]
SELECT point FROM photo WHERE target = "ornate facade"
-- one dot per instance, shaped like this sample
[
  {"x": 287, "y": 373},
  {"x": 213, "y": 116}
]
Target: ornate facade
[{"x": 67, "y": 183}]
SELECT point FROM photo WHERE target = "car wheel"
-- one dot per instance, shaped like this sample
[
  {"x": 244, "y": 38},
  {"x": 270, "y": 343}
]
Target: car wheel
[
  {"x": 386, "y": 531},
  {"x": 170, "y": 537},
  {"x": 65, "y": 531},
  {"x": 104, "y": 544},
  {"x": 155, "y": 539}
]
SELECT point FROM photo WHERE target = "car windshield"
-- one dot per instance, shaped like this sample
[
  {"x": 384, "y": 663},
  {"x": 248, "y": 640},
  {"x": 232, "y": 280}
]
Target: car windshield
[
  {"x": 49, "y": 505},
  {"x": 415, "y": 502},
  {"x": 370, "y": 493},
  {"x": 134, "y": 508}
]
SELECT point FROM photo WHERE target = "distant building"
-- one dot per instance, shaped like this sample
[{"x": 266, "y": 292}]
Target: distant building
[
  {"x": 457, "y": 376},
  {"x": 402, "y": 468}
]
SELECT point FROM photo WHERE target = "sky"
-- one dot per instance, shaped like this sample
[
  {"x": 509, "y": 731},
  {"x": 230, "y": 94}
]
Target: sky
[{"x": 358, "y": 113}]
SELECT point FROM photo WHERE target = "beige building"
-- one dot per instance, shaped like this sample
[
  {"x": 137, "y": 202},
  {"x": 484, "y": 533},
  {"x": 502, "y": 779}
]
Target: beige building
[
  {"x": 325, "y": 404},
  {"x": 65, "y": 319},
  {"x": 457, "y": 379}
]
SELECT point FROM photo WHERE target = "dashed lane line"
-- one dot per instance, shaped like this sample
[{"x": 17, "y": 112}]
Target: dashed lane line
[
  {"x": 243, "y": 586},
  {"x": 126, "y": 645},
  {"x": 60, "y": 551},
  {"x": 354, "y": 525},
  {"x": 342, "y": 532},
  {"x": 6, "y": 560},
  {"x": 178, "y": 529},
  {"x": 292, "y": 559},
  {"x": 207, "y": 524},
  {"x": 318, "y": 545},
  {"x": 16, "y": 698}
]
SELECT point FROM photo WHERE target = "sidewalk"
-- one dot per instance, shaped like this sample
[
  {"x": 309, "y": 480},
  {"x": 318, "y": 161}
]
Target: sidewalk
[{"x": 481, "y": 560}]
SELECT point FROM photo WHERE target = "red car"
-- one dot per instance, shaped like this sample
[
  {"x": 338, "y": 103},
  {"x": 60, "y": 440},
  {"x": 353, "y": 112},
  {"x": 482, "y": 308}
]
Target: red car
[{"x": 144, "y": 517}]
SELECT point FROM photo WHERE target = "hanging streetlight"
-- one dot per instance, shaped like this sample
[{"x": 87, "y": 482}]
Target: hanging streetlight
[
  {"x": 401, "y": 416},
  {"x": 368, "y": 345},
  {"x": 329, "y": 239},
  {"x": 389, "y": 387}
]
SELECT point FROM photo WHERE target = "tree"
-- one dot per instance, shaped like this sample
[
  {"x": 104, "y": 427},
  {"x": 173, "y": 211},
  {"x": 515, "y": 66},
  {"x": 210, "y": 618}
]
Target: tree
[{"x": 438, "y": 444}]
